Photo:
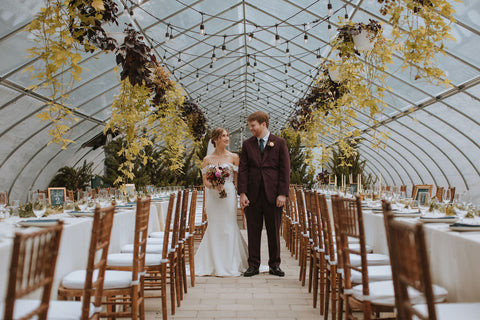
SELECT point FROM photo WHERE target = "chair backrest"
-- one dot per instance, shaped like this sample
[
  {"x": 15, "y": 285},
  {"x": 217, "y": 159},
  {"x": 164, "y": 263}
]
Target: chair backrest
[
  {"x": 97, "y": 258},
  {"x": 192, "y": 212},
  {"x": 140, "y": 236},
  {"x": 292, "y": 204},
  {"x": 351, "y": 226},
  {"x": 326, "y": 227},
  {"x": 183, "y": 216},
  {"x": 168, "y": 222},
  {"x": 439, "y": 194},
  {"x": 32, "y": 268},
  {"x": 176, "y": 221},
  {"x": 302, "y": 219},
  {"x": 410, "y": 265},
  {"x": 452, "y": 193},
  {"x": 313, "y": 216}
]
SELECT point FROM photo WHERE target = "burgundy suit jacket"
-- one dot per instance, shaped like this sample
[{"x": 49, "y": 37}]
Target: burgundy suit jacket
[{"x": 273, "y": 166}]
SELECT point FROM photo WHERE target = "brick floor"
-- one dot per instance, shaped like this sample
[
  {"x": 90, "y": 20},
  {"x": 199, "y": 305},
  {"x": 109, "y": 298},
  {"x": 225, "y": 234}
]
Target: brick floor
[{"x": 263, "y": 296}]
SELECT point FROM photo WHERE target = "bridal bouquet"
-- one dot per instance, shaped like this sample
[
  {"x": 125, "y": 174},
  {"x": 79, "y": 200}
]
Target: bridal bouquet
[{"x": 216, "y": 176}]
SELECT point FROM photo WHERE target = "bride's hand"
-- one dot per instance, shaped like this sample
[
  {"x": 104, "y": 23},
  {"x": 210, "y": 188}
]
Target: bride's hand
[{"x": 219, "y": 187}]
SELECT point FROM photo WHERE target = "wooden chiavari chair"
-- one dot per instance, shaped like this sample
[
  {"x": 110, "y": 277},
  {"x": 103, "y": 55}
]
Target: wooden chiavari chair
[
  {"x": 317, "y": 255},
  {"x": 92, "y": 278},
  {"x": 411, "y": 270},
  {"x": 439, "y": 194},
  {"x": 304, "y": 240},
  {"x": 32, "y": 268},
  {"x": 200, "y": 217},
  {"x": 190, "y": 241},
  {"x": 182, "y": 271}
]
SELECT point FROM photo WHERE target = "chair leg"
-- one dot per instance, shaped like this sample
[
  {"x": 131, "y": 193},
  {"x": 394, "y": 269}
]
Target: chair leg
[
  {"x": 322, "y": 283},
  {"x": 315, "y": 284},
  {"x": 172, "y": 285},
  {"x": 333, "y": 290},
  {"x": 310, "y": 270},
  {"x": 191, "y": 261},
  {"x": 327, "y": 293},
  {"x": 163, "y": 280}
]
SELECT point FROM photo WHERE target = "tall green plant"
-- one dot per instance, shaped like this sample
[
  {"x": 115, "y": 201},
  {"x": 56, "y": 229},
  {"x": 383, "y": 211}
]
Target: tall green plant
[
  {"x": 73, "y": 178},
  {"x": 300, "y": 172}
]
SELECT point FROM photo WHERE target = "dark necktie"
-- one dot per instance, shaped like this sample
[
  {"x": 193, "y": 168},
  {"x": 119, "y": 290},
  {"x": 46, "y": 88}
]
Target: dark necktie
[{"x": 261, "y": 145}]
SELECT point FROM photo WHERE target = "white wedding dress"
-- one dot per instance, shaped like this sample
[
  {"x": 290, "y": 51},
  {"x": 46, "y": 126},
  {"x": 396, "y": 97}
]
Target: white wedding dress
[{"x": 223, "y": 251}]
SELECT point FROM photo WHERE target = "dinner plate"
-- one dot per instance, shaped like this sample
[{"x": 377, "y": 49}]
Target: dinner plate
[
  {"x": 38, "y": 223},
  {"x": 406, "y": 214},
  {"x": 439, "y": 219},
  {"x": 464, "y": 227},
  {"x": 80, "y": 214}
]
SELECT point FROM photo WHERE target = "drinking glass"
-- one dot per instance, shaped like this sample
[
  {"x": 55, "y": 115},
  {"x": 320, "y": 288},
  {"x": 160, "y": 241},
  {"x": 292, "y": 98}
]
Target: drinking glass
[
  {"x": 39, "y": 204},
  {"x": 103, "y": 198},
  {"x": 119, "y": 198},
  {"x": 68, "y": 206},
  {"x": 423, "y": 201},
  {"x": 447, "y": 195},
  {"x": 82, "y": 200}
]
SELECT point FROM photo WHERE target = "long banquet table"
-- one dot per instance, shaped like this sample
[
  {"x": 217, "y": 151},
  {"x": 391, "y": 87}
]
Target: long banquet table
[
  {"x": 454, "y": 256},
  {"x": 73, "y": 252}
]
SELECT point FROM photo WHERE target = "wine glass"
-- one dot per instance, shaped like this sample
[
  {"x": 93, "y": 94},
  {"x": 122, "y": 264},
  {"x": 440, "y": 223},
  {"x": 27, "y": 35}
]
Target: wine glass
[
  {"x": 447, "y": 195},
  {"x": 103, "y": 198},
  {"x": 68, "y": 206},
  {"x": 423, "y": 201},
  {"x": 119, "y": 198},
  {"x": 82, "y": 200},
  {"x": 39, "y": 204},
  {"x": 3, "y": 203}
]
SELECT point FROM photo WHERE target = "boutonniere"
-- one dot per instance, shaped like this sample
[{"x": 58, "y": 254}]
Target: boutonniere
[{"x": 271, "y": 144}]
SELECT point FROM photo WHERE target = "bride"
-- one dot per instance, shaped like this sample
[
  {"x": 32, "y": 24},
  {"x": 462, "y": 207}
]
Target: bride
[{"x": 223, "y": 251}]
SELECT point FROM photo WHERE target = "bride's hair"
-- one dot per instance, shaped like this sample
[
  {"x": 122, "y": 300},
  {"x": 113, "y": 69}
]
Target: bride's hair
[{"x": 217, "y": 132}]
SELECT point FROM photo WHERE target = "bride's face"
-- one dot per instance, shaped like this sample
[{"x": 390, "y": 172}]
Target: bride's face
[{"x": 223, "y": 140}]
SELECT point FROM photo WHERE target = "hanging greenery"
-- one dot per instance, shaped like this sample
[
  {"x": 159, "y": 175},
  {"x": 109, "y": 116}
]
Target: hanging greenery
[
  {"x": 61, "y": 30},
  {"x": 195, "y": 118},
  {"x": 73, "y": 178}
]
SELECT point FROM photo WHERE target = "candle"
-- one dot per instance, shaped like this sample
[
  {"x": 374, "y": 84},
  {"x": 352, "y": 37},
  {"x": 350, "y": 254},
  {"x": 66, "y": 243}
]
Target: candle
[
  {"x": 351, "y": 178},
  {"x": 335, "y": 180},
  {"x": 359, "y": 181}
]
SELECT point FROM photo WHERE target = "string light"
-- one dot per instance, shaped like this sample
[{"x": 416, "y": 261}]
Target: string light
[
  {"x": 277, "y": 37},
  {"x": 250, "y": 36},
  {"x": 211, "y": 65},
  {"x": 286, "y": 83},
  {"x": 248, "y": 60},
  {"x": 329, "y": 26},
  {"x": 171, "y": 33},
  {"x": 329, "y": 7},
  {"x": 167, "y": 34},
  {"x": 202, "y": 27},
  {"x": 228, "y": 84},
  {"x": 346, "y": 13},
  {"x": 305, "y": 37},
  {"x": 286, "y": 71},
  {"x": 253, "y": 80},
  {"x": 319, "y": 56},
  {"x": 207, "y": 86},
  {"x": 179, "y": 60},
  {"x": 224, "y": 82},
  {"x": 224, "y": 47},
  {"x": 254, "y": 62},
  {"x": 233, "y": 94},
  {"x": 197, "y": 77},
  {"x": 214, "y": 57},
  {"x": 287, "y": 50},
  {"x": 289, "y": 65}
]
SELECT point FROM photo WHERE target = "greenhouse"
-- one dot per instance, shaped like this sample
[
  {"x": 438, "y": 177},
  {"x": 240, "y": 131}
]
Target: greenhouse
[{"x": 371, "y": 102}]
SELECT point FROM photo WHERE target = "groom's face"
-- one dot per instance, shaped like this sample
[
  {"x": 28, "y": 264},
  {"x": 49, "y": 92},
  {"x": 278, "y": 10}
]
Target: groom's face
[{"x": 257, "y": 129}]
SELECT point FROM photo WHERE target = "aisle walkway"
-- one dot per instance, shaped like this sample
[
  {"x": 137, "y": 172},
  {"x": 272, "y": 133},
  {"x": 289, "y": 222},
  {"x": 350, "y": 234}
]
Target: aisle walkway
[{"x": 260, "y": 297}]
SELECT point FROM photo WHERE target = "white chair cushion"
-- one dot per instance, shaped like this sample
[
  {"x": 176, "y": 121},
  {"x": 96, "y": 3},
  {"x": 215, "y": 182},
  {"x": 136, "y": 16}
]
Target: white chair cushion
[
  {"x": 67, "y": 310},
  {"x": 22, "y": 307},
  {"x": 151, "y": 248},
  {"x": 126, "y": 259},
  {"x": 373, "y": 259},
  {"x": 449, "y": 311},
  {"x": 113, "y": 279},
  {"x": 382, "y": 293},
  {"x": 157, "y": 234},
  {"x": 375, "y": 273}
]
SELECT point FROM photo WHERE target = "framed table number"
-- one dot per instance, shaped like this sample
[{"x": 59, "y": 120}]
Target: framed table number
[{"x": 57, "y": 196}]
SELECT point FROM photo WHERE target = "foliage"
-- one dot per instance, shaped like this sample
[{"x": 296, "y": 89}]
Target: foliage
[
  {"x": 427, "y": 28},
  {"x": 73, "y": 179},
  {"x": 300, "y": 171},
  {"x": 194, "y": 116},
  {"x": 323, "y": 177},
  {"x": 60, "y": 30}
]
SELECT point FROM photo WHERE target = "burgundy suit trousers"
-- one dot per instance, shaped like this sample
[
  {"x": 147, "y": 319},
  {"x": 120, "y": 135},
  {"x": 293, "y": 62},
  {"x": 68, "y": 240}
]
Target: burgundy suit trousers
[{"x": 257, "y": 212}]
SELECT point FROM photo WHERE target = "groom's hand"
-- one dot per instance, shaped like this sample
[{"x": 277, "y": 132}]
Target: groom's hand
[
  {"x": 244, "y": 202},
  {"x": 281, "y": 200}
]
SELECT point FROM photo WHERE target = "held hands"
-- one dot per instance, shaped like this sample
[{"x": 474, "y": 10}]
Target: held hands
[
  {"x": 244, "y": 202},
  {"x": 281, "y": 200}
]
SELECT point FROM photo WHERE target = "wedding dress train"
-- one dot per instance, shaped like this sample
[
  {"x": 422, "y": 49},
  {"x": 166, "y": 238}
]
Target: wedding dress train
[{"x": 223, "y": 251}]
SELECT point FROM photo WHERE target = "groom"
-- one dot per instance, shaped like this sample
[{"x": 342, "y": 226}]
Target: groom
[{"x": 263, "y": 183}]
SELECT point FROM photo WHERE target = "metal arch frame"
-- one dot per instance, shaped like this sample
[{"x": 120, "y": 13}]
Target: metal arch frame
[{"x": 45, "y": 126}]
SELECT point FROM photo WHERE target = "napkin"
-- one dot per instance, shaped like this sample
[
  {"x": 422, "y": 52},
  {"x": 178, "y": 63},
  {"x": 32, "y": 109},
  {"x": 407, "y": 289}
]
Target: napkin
[{"x": 468, "y": 225}]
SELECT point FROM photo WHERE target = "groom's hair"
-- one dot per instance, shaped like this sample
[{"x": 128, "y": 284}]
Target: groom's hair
[{"x": 260, "y": 117}]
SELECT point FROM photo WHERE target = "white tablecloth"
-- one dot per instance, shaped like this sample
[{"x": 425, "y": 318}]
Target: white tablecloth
[
  {"x": 161, "y": 208},
  {"x": 73, "y": 252},
  {"x": 454, "y": 256}
]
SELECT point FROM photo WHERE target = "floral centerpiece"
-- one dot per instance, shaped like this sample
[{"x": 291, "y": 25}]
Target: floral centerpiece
[{"x": 216, "y": 176}]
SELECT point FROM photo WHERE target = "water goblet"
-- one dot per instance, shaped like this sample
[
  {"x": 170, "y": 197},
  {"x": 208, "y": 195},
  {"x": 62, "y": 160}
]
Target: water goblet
[
  {"x": 447, "y": 196},
  {"x": 82, "y": 200},
  {"x": 39, "y": 204},
  {"x": 119, "y": 198},
  {"x": 68, "y": 206},
  {"x": 422, "y": 201}
]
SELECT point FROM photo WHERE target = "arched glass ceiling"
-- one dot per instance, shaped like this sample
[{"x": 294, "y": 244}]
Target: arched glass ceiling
[{"x": 434, "y": 131}]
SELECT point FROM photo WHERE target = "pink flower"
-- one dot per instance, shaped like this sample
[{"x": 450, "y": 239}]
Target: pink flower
[{"x": 218, "y": 173}]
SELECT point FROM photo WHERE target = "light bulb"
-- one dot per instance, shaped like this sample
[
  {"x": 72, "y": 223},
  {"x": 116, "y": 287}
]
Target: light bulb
[
  {"x": 224, "y": 50},
  {"x": 202, "y": 29},
  {"x": 277, "y": 39},
  {"x": 250, "y": 36},
  {"x": 167, "y": 36},
  {"x": 305, "y": 38},
  {"x": 287, "y": 52},
  {"x": 329, "y": 7}
]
